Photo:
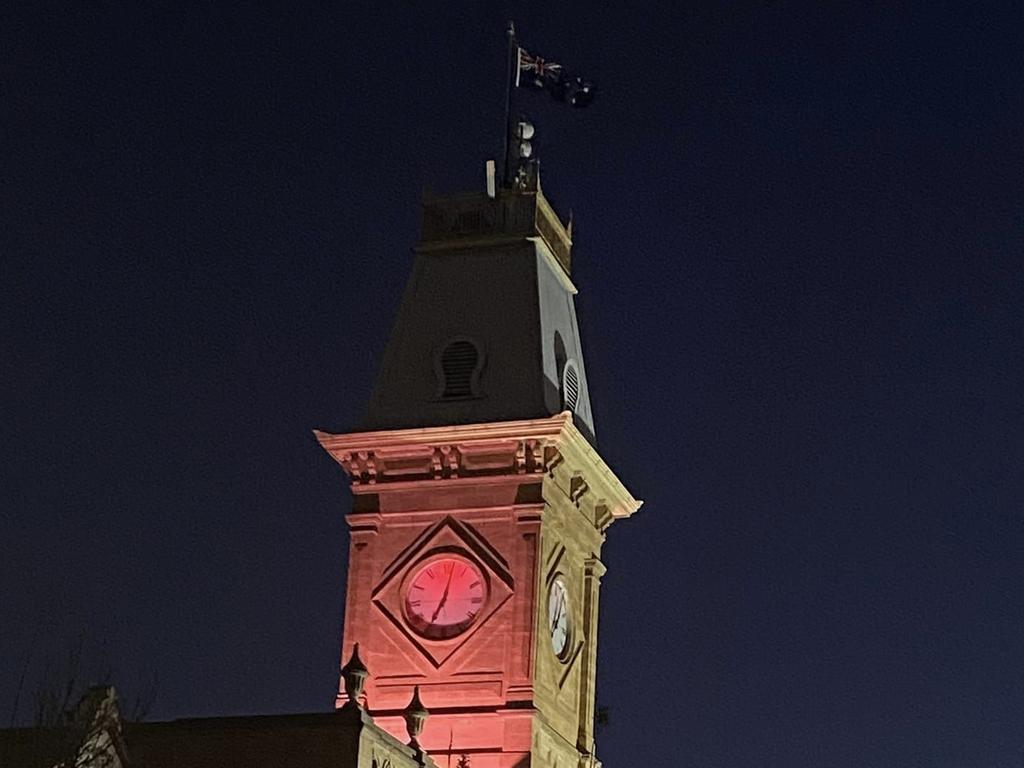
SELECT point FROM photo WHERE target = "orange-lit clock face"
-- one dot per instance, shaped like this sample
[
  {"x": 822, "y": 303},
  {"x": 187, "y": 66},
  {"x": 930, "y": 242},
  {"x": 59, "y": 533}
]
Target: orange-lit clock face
[{"x": 444, "y": 597}]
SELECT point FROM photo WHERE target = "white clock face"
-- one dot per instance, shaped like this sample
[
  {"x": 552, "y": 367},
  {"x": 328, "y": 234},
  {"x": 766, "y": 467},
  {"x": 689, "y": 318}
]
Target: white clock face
[{"x": 559, "y": 625}]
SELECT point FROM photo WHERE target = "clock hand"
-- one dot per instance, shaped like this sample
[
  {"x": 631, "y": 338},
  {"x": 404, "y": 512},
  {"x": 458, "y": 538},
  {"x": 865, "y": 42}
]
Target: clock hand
[
  {"x": 444, "y": 598},
  {"x": 558, "y": 611}
]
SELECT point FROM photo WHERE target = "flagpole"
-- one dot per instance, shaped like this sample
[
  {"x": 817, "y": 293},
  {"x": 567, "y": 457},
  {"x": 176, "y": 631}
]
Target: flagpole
[{"x": 511, "y": 68}]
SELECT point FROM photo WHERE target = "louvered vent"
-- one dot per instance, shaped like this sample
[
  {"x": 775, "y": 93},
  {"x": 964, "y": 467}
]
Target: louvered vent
[
  {"x": 458, "y": 364},
  {"x": 570, "y": 386}
]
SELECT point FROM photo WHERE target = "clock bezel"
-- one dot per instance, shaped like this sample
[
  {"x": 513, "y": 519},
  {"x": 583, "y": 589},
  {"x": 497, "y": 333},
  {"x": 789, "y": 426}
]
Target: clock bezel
[{"x": 434, "y": 633}]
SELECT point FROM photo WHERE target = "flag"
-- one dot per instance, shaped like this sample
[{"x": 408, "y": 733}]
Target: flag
[{"x": 534, "y": 71}]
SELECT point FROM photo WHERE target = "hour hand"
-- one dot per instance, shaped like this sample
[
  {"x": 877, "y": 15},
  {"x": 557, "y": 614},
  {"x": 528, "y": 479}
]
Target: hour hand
[{"x": 440, "y": 605}]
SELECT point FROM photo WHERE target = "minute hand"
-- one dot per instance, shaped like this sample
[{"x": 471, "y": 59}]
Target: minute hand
[
  {"x": 558, "y": 611},
  {"x": 444, "y": 597}
]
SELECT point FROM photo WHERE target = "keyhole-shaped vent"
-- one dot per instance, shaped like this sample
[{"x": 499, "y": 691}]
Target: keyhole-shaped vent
[
  {"x": 459, "y": 363},
  {"x": 570, "y": 386}
]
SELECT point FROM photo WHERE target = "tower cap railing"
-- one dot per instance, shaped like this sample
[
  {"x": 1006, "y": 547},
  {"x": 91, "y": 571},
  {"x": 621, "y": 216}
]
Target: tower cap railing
[{"x": 472, "y": 219}]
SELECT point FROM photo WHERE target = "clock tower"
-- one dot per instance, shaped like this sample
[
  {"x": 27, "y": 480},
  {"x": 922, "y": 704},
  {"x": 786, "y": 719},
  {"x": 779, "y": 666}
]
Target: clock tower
[{"x": 480, "y": 501}]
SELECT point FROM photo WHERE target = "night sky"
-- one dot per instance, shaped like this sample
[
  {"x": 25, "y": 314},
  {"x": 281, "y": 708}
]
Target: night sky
[{"x": 800, "y": 254}]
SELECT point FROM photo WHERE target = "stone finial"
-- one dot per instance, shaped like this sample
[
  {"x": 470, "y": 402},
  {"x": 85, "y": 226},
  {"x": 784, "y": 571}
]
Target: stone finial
[
  {"x": 415, "y": 715},
  {"x": 354, "y": 673}
]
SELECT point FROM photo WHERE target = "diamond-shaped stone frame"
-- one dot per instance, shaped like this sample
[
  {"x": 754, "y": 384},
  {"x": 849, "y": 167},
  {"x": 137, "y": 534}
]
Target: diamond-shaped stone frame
[{"x": 447, "y": 536}]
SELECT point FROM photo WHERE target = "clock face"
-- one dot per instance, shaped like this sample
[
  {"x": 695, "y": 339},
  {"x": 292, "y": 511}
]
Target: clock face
[
  {"x": 559, "y": 624},
  {"x": 444, "y": 597}
]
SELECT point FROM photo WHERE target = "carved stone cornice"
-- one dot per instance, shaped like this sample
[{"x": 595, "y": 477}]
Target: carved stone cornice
[
  {"x": 471, "y": 452},
  {"x": 587, "y": 480}
]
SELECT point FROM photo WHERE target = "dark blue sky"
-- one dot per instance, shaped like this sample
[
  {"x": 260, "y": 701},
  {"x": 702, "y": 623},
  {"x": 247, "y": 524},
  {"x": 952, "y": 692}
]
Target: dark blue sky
[{"x": 799, "y": 230}]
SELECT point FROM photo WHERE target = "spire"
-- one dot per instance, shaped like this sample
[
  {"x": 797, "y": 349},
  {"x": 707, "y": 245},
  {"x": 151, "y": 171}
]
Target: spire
[{"x": 487, "y": 327}]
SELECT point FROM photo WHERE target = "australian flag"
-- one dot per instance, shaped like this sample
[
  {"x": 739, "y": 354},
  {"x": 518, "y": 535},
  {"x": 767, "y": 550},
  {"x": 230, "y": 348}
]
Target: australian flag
[{"x": 533, "y": 71}]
